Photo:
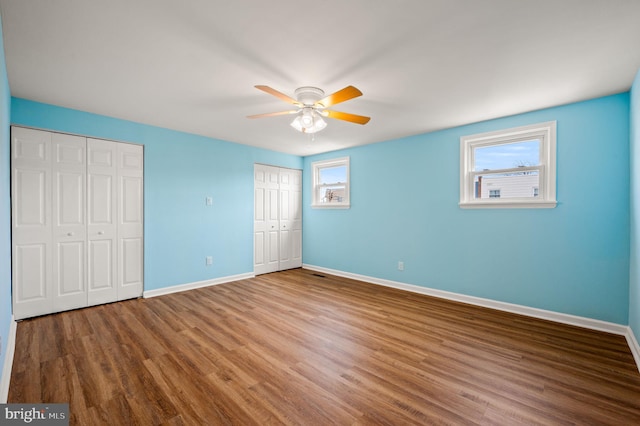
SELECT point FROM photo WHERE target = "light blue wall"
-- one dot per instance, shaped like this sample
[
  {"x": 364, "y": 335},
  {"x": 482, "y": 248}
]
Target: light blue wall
[
  {"x": 181, "y": 170},
  {"x": 572, "y": 259},
  {"x": 5, "y": 207},
  {"x": 634, "y": 279}
]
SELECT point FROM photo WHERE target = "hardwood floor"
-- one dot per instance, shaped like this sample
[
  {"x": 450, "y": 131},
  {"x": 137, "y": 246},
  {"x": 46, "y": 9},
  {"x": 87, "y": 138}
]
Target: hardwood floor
[{"x": 296, "y": 348}]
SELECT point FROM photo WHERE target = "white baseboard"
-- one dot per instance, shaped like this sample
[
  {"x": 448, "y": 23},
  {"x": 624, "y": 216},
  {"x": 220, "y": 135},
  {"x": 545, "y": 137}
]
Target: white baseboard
[
  {"x": 633, "y": 345},
  {"x": 8, "y": 361},
  {"x": 197, "y": 284},
  {"x": 583, "y": 322}
]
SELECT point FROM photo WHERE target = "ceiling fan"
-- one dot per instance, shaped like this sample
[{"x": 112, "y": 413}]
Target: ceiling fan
[{"x": 312, "y": 104}]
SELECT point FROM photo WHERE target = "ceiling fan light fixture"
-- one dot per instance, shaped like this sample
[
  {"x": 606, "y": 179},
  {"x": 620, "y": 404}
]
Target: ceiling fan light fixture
[
  {"x": 318, "y": 124},
  {"x": 308, "y": 121},
  {"x": 306, "y": 118}
]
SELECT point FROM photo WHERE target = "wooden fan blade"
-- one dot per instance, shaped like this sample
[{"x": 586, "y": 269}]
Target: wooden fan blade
[
  {"x": 345, "y": 94},
  {"x": 273, "y": 114},
  {"x": 278, "y": 95},
  {"x": 353, "y": 118}
]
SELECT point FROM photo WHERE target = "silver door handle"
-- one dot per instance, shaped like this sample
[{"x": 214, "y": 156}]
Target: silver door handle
[
  {"x": 100, "y": 232},
  {"x": 69, "y": 234}
]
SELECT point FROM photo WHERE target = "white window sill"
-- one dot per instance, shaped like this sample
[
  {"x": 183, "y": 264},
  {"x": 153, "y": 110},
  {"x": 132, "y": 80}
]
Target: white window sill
[
  {"x": 330, "y": 206},
  {"x": 508, "y": 204}
]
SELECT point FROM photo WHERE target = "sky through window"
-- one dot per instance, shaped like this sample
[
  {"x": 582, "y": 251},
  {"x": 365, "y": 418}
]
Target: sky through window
[{"x": 508, "y": 155}]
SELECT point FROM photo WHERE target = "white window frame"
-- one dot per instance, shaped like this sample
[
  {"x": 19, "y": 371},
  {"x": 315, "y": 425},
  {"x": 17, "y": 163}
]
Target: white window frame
[
  {"x": 545, "y": 132},
  {"x": 315, "y": 170}
]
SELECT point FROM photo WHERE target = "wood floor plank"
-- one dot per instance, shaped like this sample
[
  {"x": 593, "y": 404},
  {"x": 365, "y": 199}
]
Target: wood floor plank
[{"x": 301, "y": 348}]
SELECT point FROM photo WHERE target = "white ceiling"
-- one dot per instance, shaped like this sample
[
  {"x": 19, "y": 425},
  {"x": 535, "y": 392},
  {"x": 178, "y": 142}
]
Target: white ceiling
[{"x": 423, "y": 65}]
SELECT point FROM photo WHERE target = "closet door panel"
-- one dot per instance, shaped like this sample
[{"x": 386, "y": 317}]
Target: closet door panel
[
  {"x": 70, "y": 270},
  {"x": 259, "y": 251},
  {"x": 31, "y": 278},
  {"x": 131, "y": 249},
  {"x": 101, "y": 200},
  {"x": 130, "y": 221},
  {"x": 69, "y": 221},
  {"x": 30, "y": 147},
  {"x": 284, "y": 224},
  {"x": 101, "y": 271},
  {"x": 259, "y": 224},
  {"x": 273, "y": 251},
  {"x": 32, "y": 239},
  {"x": 102, "y": 211},
  {"x": 296, "y": 221},
  {"x": 31, "y": 184},
  {"x": 290, "y": 218},
  {"x": 131, "y": 198},
  {"x": 265, "y": 219},
  {"x": 272, "y": 221},
  {"x": 31, "y": 202}
]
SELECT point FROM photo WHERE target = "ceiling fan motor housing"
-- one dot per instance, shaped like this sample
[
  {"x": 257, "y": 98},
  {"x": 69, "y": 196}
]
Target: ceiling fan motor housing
[{"x": 308, "y": 95}]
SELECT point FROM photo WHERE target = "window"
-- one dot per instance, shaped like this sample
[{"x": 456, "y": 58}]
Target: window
[
  {"x": 514, "y": 168},
  {"x": 331, "y": 183}
]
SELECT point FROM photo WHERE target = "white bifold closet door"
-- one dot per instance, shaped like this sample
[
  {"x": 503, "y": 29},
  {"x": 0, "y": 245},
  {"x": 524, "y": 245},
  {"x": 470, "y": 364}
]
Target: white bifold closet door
[
  {"x": 67, "y": 207},
  {"x": 130, "y": 221},
  {"x": 102, "y": 223},
  {"x": 69, "y": 221},
  {"x": 277, "y": 219}
]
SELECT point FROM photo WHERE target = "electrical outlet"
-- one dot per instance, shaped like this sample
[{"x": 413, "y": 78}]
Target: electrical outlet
[
  {"x": 400, "y": 265},
  {"x": 209, "y": 201},
  {"x": 208, "y": 260}
]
